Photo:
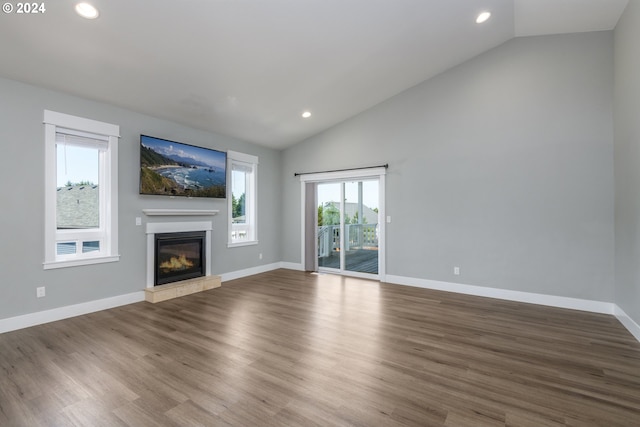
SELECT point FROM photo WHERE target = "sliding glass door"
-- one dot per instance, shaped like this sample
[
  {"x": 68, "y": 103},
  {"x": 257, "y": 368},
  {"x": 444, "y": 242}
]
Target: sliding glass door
[
  {"x": 361, "y": 226},
  {"x": 348, "y": 226},
  {"x": 329, "y": 228}
]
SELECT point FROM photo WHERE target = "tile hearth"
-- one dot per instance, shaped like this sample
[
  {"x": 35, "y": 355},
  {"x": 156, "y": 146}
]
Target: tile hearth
[{"x": 182, "y": 288}]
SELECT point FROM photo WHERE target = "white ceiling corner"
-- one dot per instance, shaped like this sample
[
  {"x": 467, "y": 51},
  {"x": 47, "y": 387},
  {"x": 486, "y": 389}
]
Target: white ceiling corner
[{"x": 542, "y": 17}]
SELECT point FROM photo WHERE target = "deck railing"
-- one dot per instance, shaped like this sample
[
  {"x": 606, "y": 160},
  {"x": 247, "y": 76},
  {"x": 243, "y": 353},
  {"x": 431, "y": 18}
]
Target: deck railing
[
  {"x": 239, "y": 231},
  {"x": 357, "y": 236}
]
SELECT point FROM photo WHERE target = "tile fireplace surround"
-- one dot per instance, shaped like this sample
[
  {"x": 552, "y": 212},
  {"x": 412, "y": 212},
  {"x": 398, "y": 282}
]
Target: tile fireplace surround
[{"x": 172, "y": 290}]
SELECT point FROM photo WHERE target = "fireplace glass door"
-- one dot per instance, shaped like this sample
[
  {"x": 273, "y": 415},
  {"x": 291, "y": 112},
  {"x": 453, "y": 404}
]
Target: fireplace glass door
[{"x": 179, "y": 256}]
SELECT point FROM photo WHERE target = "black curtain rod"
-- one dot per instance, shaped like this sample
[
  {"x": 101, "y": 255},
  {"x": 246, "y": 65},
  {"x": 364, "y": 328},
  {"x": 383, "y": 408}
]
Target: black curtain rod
[{"x": 386, "y": 166}]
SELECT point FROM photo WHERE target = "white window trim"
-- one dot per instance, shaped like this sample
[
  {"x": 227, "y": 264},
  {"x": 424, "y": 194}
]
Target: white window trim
[
  {"x": 253, "y": 189},
  {"x": 52, "y": 122}
]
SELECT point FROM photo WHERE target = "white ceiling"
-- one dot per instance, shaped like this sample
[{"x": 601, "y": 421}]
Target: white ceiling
[{"x": 249, "y": 68}]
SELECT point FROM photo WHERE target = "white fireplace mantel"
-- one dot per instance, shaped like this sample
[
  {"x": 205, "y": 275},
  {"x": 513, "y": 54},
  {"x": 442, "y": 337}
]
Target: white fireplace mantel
[
  {"x": 180, "y": 212},
  {"x": 178, "y": 227}
]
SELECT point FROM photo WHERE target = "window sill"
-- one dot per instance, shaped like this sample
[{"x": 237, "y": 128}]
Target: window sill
[
  {"x": 80, "y": 261},
  {"x": 240, "y": 244}
]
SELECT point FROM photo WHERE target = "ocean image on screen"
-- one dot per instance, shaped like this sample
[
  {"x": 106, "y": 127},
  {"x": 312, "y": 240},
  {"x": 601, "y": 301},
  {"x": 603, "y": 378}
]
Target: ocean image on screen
[{"x": 176, "y": 169}]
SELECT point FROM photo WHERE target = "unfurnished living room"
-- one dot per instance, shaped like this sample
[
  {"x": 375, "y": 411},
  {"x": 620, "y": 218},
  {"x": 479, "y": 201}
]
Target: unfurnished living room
[{"x": 320, "y": 213}]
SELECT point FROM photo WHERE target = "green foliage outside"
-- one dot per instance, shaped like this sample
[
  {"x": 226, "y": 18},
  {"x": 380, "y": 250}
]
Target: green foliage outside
[
  {"x": 237, "y": 206},
  {"x": 329, "y": 214}
]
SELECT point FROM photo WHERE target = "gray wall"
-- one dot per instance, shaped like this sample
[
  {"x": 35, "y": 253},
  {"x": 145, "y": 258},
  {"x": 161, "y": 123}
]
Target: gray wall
[
  {"x": 502, "y": 166},
  {"x": 627, "y": 161},
  {"x": 21, "y": 214}
]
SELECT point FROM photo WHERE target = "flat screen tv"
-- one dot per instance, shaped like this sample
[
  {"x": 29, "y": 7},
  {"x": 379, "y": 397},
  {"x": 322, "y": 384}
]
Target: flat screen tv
[{"x": 169, "y": 168}]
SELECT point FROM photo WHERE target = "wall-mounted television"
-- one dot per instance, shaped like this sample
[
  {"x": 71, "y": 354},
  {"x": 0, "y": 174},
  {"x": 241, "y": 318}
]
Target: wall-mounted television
[{"x": 170, "y": 168}]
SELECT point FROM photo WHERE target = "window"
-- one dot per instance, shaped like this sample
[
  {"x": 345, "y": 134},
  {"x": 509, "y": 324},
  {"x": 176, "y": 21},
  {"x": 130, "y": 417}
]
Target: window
[
  {"x": 81, "y": 184},
  {"x": 243, "y": 169}
]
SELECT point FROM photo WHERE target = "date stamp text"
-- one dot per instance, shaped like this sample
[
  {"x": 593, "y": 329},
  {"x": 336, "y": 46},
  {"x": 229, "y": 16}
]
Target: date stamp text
[{"x": 24, "y": 8}]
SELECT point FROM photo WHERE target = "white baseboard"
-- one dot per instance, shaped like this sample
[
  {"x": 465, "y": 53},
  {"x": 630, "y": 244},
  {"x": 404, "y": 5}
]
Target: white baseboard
[
  {"x": 260, "y": 269},
  {"x": 627, "y": 322},
  {"x": 292, "y": 266},
  {"x": 532, "y": 298},
  {"x": 46, "y": 316},
  {"x": 249, "y": 271}
]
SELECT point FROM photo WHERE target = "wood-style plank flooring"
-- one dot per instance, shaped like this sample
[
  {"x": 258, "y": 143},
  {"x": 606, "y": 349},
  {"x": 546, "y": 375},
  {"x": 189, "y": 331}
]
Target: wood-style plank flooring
[{"x": 289, "y": 348}]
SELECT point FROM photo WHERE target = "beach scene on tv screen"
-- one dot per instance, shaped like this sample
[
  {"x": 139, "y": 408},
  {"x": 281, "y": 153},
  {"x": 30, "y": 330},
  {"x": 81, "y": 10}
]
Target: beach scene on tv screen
[{"x": 176, "y": 169}]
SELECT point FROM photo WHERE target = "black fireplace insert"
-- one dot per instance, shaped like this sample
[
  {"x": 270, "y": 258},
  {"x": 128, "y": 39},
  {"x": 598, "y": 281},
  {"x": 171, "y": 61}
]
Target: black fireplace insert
[{"x": 179, "y": 256}]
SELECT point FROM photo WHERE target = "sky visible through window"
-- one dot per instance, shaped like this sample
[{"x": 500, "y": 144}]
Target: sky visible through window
[
  {"x": 331, "y": 193},
  {"x": 76, "y": 165},
  {"x": 238, "y": 181}
]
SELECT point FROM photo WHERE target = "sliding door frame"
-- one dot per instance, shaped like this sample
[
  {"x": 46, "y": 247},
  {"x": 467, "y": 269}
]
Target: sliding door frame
[{"x": 343, "y": 176}]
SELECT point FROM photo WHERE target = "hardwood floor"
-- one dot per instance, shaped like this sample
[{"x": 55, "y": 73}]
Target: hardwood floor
[{"x": 288, "y": 348}]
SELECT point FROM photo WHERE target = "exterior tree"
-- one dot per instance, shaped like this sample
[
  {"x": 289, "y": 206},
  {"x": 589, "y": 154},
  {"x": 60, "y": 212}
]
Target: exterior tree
[
  {"x": 356, "y": 215},
  {"x": 241, "y": 205},
  {"x": 237, "y": 206},
  {"x": 330, "y": 214}
]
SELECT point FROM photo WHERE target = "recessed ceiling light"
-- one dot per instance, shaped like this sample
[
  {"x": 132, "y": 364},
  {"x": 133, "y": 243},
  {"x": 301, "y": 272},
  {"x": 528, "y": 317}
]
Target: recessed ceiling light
[
  {"x": 306, "y": 114},
  {"x": 483, "y": 17},
  {"x": 87, "y": 11}
]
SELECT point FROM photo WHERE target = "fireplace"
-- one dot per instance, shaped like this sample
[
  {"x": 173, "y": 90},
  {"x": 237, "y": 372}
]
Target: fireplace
[
  {"x": 183, "y": 249},
  {"x": 186, "y": 241},
  {"x": 179, "y": 256}
]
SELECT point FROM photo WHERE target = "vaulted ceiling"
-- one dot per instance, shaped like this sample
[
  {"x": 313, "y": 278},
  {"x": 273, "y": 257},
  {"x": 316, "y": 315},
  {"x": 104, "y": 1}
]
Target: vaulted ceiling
[{"x": 249, "y": 68}]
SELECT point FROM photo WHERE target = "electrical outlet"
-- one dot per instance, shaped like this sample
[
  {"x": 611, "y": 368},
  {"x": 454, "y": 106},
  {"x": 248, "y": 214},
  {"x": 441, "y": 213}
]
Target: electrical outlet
[
  {"x": 260, "y": 256},
  {"x": 456, "y": 271},
  {"x": 138, "y": 220},
  {"x": 40, "y": 292}
]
